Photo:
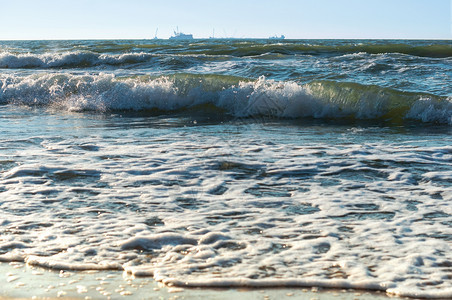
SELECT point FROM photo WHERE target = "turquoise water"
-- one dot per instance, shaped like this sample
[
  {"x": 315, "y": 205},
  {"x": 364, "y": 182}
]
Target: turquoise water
[{"x": 245, "y": 163}]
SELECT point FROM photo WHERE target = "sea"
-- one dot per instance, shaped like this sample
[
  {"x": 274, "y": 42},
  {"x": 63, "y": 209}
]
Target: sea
[{"x": 231, "y": 162}]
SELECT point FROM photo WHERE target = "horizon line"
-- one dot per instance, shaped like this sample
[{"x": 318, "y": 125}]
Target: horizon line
[{"x": 228, "y": 38}]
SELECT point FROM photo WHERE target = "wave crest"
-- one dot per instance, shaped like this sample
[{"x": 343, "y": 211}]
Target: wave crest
[
  {"x": 75, "y": 59},
  {"x": 239, "y": 97},
  {"x": 131, "y": 53}
]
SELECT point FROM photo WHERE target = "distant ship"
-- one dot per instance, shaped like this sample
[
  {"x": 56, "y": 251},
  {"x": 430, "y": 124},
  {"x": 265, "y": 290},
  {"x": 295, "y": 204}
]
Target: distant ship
[
  {"x": 181, "y": 36},
  {"x": 281, "y": 37}
]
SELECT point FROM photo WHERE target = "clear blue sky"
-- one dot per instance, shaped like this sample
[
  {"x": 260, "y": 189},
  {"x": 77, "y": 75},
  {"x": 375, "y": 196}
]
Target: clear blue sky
[{"x": 97, "y": 19}]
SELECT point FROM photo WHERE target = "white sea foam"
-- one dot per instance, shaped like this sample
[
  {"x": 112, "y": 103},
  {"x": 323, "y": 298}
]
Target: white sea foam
[
  {"x": 244, "y": 211},
  {"x": 73, "y": 59},
  {"x": 241, "y": 98},
  {"x": 427, "y": 110}
]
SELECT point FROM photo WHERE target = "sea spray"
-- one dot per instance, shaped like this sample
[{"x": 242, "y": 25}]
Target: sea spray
[{"x": 237, "y": 96}]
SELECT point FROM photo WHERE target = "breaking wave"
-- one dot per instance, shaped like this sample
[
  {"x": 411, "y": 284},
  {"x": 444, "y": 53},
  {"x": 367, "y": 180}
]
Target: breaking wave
[
  {"x": 130, "y": 54},
  {"x": 236, "y": 96},
  {"x": 77, "y": 59}
]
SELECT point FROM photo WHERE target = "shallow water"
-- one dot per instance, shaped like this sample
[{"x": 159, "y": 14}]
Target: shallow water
[
  {"x": 26, "y": 282},
  {"x": 216, "y": 178}
]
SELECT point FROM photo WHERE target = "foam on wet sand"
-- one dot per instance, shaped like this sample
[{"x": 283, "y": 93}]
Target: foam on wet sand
[{"x": 21, "y": 281}]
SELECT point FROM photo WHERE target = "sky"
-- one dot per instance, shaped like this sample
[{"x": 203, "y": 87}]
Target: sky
[{"x": 303, "y": 19}]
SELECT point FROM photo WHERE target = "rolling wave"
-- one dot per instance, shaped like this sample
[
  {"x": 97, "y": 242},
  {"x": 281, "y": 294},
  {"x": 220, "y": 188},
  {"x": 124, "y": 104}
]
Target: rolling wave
[
  {"x": 77, "y": 59},
  {"x": 94, "y": 55},
  {"x": 236, "y": 96},
  {"x": 433, "y": 51}
]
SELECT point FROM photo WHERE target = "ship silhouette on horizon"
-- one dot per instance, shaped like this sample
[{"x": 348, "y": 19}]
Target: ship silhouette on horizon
[{"x": 181, "y": 36}]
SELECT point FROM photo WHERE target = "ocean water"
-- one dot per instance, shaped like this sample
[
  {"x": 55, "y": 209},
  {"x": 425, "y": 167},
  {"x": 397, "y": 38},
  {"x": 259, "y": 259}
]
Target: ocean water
[{"x": 219, "y": 163}]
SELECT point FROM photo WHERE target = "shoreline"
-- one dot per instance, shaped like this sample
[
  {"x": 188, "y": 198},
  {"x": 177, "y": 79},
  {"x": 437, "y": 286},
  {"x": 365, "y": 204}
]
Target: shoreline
[{"x": 22, "y": 281}]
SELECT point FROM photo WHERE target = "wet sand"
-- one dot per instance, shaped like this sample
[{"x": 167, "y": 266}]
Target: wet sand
[{"x": 20, "y": 281}]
